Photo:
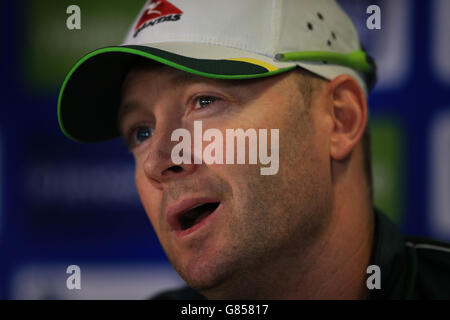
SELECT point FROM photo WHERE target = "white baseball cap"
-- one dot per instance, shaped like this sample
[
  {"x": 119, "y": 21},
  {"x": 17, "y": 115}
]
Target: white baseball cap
[{"x": 223, "y": 39}]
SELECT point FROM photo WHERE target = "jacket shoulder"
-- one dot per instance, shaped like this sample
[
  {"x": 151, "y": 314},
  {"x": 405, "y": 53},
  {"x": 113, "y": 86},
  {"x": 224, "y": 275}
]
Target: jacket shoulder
[{"x": 432, "y": 267}]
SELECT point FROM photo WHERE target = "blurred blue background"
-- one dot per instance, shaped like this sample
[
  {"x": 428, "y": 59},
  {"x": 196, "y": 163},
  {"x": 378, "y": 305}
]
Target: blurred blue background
[{"x": 63, "y": 203}]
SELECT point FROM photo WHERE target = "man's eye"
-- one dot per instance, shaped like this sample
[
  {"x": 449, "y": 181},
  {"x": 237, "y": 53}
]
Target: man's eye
[
  {"x": 140, "y": 134},
  {"x": 202, "y": 102}
]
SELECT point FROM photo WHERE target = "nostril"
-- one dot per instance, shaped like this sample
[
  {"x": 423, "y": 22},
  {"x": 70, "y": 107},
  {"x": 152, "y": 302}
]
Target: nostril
[{"x": 174, "y": 169}]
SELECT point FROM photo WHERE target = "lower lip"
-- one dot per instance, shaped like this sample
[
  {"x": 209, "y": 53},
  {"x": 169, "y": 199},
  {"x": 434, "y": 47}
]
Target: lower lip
[{"x": 201, "y": 224}]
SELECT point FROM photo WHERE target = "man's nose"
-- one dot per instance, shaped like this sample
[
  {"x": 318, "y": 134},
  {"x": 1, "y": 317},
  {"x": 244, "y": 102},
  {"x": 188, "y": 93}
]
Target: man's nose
[{"x": 159, "y": 167}]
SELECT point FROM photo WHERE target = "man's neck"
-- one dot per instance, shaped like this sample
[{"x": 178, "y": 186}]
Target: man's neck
[{"x": 339, "y": 260}]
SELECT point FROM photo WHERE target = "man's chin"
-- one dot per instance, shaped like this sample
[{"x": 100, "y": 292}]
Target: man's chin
[
  {"x": 207, "y": 276},
  {"x": 204, "y": 277}
]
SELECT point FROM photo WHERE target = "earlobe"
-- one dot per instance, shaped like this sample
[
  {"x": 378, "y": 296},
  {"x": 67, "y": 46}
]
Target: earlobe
[{"x": 349, "y": 113}]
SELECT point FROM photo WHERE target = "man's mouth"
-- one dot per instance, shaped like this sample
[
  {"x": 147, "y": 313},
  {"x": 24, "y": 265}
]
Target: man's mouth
[
  {"x": 189, "y": 215},
  {"x": 195, "y": 215}
]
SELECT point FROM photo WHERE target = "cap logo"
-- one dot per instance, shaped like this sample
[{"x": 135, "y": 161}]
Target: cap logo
[{"x": 155, "y": 12}]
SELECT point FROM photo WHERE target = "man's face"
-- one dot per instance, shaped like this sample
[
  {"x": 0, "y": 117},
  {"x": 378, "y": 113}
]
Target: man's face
[{"x": 256, "y": 220}]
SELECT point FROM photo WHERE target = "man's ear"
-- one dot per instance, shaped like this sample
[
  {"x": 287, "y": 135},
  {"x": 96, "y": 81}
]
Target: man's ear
[{"x": 349, "y": 114}]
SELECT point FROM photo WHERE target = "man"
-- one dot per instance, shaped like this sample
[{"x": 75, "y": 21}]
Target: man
[{"x": 304, "y": 228}]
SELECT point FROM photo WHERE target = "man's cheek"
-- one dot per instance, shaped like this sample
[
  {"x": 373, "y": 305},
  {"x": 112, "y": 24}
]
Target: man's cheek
[
  {"x": 147, "y": 197},
  {"x": 141, "y": 190}
]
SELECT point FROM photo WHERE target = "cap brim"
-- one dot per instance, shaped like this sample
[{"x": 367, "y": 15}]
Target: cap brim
[{"x": 89, "y": 99}]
